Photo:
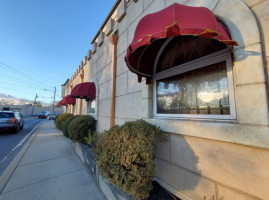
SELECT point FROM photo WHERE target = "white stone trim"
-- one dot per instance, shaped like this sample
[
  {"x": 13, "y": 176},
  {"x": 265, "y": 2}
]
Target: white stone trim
[
  {"x": 210, "y": 4},
  {"x": 85, "y": 60},
  {"x": 234, "y": 14},
  {"x": 89, "y": 54},
  {"x": 122, "y": 10},
  {"x": 94, "y": 47},
  {"x": 101, "y": 38},
  {"x": 248, "y": 135},
  {"x": 109, "y": 27}
]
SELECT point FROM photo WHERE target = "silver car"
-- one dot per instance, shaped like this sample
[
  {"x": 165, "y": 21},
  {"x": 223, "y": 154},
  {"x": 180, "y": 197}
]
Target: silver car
[
  {"x": 51, "y": 117},
  {"x": 11, "y": 121}
]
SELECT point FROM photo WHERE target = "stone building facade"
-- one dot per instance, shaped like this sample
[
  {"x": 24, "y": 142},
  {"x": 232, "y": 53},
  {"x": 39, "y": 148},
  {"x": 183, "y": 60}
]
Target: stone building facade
[{"x": 214, "y": 157}]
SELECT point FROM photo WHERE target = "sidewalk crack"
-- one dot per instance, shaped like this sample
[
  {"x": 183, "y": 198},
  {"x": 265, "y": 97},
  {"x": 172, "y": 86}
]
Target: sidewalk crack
[{"x": 46, "y": 160}]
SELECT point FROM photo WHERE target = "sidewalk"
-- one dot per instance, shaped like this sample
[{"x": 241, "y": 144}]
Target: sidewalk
[{"x": 51, "y": 170}]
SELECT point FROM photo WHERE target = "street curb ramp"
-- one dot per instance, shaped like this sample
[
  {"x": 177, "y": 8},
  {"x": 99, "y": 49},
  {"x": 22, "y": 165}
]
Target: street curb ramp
[{"x": 13, "y": 165}]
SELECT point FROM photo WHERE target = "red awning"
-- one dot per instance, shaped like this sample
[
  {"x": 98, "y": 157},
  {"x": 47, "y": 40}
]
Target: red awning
[
  {"x": 175, "y": 20},
  {"x": 67, "y": 100},
  {"x": 60, "y": 103},
  {"x": 84, "y": 91}
]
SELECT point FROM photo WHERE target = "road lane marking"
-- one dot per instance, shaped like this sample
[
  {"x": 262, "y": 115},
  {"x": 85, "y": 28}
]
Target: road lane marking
[
  {"x": 22, "y": 141},
  {"x": 4, "y": 159},
  {"x": 30, "y": 118}
]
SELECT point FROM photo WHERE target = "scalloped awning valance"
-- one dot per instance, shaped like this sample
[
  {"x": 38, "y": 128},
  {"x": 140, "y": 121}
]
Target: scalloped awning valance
[
  {"x": 175, "y": 20},
  {"x": 84, "y": 91},
  {"x": 67, "y": 100}
]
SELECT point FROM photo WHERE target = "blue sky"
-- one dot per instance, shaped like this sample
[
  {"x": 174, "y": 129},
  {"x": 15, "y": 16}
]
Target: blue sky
[{"x": 45, "y": 40}]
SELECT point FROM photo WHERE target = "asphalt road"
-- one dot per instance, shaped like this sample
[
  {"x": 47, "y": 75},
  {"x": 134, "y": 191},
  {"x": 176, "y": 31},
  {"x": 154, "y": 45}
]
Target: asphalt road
[{"x": 11, "y": 143}]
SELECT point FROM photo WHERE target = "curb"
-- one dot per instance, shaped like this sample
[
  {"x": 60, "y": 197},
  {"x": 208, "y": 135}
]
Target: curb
[
  {"x": 13, "y": 165},
  {"x": 85, "y": 156}
]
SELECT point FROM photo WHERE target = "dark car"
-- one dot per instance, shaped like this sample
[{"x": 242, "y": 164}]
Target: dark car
[
  {"x": 11, "y": 121},
  {"x": 44, "y": 114}
]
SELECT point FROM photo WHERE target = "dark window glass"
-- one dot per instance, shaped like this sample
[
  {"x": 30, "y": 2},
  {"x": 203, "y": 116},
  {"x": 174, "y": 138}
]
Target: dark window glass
[
  {"x": 201, "y": 91},
  {"x": 6, "y": 115}
]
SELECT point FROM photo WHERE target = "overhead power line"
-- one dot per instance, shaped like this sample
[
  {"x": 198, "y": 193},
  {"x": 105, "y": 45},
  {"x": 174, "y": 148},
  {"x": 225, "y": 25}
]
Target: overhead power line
[
  {"x": 20, "y": 85},
  {"x": 7, "y": 67},
  {"x": 17, "y": 90},
  {"x": 13, "y": 79}
]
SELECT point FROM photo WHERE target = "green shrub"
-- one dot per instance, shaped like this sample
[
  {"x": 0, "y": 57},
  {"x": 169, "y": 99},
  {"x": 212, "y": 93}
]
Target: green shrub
[
  {"x": 57, "y": 117},
  {"x": 79, "y": 127},
  {"x": 59, "y": 123},
  {"x": 67, "y": 122},
  {"x": 124, "y": 155},
  {"x": 91, "y": 138}
]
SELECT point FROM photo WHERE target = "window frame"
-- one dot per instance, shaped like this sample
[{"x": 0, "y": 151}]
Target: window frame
[
  {"x": 219, "y": 56},
  {"x": 95, "y": 114},
  {"x": 89, "y": 103},
  {"x": 73, "y": 109}
]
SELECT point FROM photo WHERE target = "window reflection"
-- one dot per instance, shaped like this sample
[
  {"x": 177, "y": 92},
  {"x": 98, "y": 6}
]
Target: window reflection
[
  {"x": 92, "y": 105},
  {"x": 201, "y": 91}
]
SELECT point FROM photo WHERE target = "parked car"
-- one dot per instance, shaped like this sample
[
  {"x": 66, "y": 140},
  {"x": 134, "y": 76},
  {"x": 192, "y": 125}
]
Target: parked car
[
  {"x": 51, "y": 117},
  {"x": 44, "y": 114},
  {"x": 11, "y": 121}
]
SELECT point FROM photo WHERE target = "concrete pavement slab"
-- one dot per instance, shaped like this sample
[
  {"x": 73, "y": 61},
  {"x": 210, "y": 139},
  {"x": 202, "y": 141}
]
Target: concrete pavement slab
[
  {"x": 49, "y": 134},
  {"x": 74, "y": 186},
  {"x": 49, "y": 137},
  {"x": 10, "y": 169},
  {"x": 48, "y": 150},
  {"x": 50, "y": 169},
  {"x": 32, "y": 173}
]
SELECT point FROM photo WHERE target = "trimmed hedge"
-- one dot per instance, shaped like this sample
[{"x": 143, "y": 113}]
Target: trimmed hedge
[
  {"x": 79, "y": 127},
  {"x": 59, "y": 123},
  {"x": 66, "y": 124},
  {"x": 57, "y": 117},
  {"x": 124, "y": 155}
]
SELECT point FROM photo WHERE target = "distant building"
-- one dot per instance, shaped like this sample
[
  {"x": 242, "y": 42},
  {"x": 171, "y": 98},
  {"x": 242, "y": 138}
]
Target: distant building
[{"x": 28, "y": 108}]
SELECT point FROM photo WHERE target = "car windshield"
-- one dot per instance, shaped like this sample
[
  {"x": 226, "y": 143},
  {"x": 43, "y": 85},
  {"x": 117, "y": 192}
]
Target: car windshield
[{"x": 6, "y": 115}]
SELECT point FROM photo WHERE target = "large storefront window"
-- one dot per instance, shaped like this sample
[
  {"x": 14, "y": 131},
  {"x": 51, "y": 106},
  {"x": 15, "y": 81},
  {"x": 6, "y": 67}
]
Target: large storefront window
[
  {"x": 201, "y": 91},
  {"x": 193, "y": 79}
]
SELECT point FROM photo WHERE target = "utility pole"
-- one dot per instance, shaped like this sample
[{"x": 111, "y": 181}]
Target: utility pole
[
  {"x": 34, "y": 104},
  {"x": 54, "y": 99}
]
